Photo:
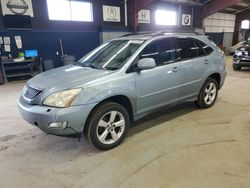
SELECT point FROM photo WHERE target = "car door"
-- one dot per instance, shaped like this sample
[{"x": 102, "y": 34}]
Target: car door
[
  {"x": 193, "y": 66},
  {"x": 159, "y": 86}
]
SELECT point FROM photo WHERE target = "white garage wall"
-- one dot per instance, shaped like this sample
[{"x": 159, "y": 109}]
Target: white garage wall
[
  {"x": 219, "y": 23},
  {"x": 228, "y": 40}
]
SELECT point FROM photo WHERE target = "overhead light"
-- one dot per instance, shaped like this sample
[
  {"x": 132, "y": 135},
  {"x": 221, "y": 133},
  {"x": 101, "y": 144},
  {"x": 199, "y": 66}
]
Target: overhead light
[
  {"x": 245, "y": 24},
  {"x": 165, "y": 17}
]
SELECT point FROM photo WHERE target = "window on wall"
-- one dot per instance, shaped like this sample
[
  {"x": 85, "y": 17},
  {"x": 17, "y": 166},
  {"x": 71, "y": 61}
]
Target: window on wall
[
  {"x": 165, "y": 17},
  {"x": 245, "y": 24},
  {"x": 70, "y": 10}
]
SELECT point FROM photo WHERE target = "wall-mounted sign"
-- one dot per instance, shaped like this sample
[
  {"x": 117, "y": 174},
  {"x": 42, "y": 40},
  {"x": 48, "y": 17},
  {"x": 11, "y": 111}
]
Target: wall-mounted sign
[
  {"x": 186, "y": 19},
  {"x": 6, "y": 40},
  {"x": 18, "y": 41},
  {"x": 111, "y": 14},
  {"x": 144, "y": 16},
  {"x": 17, "y": 7}
]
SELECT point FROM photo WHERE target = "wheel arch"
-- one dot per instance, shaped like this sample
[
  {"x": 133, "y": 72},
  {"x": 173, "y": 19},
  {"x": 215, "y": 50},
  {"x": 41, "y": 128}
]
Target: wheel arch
[
  {"x": 120, "y": 99},
  {"x": 217, "y": 77}
]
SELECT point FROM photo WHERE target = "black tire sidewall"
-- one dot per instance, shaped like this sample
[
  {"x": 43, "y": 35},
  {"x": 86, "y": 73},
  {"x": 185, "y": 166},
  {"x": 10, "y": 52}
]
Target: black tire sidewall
[
  {"x": 236, "y": 67},
  {"x": 97, "y": 115}
]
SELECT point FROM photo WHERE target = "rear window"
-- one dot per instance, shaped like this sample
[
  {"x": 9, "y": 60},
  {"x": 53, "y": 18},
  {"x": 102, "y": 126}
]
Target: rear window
[
  {"x": 208, "y": 50},
  {"x": 186, "y": 48},
  {"x": 209, "y": 38},
  {"x": 200, "y": 50}
]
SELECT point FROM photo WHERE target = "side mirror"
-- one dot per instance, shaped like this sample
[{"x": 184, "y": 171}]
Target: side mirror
[{"x": 146, "y": 63}]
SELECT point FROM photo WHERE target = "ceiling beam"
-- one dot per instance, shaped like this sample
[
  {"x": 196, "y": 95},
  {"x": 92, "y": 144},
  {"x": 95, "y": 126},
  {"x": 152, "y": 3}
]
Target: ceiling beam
[
  {"x": 143, "y": 3},
  {"x": 211, "y": 7},
  {"x": 216, "y": 6}
]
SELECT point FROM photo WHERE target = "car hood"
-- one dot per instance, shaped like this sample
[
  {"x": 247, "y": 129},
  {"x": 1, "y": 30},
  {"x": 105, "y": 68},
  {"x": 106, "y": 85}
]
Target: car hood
[
  {"x": 244, "y": 48},
  {"x": 67, "y": 76}
]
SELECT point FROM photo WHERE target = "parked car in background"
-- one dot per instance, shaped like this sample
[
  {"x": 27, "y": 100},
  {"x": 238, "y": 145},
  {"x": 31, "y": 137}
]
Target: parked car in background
[
  {"x": 122, "y": 81},
  {"x": 241, "y": 57},
  {"x": 233, "y": 49}
]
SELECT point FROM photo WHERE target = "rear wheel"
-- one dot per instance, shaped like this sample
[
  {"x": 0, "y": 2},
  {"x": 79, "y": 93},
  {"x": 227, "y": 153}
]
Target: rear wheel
[
  {"x": 107, "y": 126},
  {"x": 236, "y": 67},
  {"x": 208, "y": 94}
]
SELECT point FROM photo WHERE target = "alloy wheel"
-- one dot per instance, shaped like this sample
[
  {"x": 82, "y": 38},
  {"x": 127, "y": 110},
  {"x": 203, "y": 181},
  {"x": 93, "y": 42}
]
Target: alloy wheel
[
  {"x": 110, "y": 127},
  {"x": 210, "y": 93}
]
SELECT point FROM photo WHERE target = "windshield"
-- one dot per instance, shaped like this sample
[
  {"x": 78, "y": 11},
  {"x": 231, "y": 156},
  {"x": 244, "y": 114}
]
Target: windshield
[{"x": 112, "y": 55}]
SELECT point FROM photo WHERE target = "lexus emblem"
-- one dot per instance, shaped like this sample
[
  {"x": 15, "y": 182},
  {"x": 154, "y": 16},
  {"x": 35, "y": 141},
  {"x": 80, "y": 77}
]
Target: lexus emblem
[{"x": 19, "y": 7}]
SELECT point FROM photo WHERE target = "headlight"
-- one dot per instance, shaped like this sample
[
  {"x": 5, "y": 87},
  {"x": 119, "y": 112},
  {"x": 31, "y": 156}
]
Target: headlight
[{"x": 62, "y": 98}]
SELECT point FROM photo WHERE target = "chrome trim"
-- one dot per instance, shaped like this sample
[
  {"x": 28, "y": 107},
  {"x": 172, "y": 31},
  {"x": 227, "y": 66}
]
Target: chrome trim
[{"x": 31, "y": 100}]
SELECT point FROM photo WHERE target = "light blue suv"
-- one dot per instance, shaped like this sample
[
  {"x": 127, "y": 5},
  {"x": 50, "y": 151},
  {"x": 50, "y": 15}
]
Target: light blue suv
[{"x": 122, "y": 81}]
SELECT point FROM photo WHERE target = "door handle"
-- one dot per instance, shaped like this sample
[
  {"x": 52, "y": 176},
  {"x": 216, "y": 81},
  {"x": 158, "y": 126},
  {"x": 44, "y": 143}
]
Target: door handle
[
  {"x": 175, "y": 69},
  {"x": 206, "y": 61}
]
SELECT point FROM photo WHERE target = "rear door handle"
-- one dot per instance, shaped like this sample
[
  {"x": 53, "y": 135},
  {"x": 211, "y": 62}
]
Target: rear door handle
[
  {"x": 175, "y": 69},
  {"x": 206, "y": 61}
]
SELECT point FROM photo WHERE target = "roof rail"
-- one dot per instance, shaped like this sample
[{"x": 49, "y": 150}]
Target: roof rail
[
  {"x": 158, "y": 33},
  {"x": 174, "y": 31},
  {"x": 137, "y": 33}
]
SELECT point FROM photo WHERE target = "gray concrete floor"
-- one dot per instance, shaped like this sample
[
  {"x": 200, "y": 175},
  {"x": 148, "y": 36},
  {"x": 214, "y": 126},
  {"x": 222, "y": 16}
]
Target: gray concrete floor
[{"x": 179, "y": 147}]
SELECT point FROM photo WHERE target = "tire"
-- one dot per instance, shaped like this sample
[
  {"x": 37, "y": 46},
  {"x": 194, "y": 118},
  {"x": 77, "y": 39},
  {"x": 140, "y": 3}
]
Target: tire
[
  {"x": 236, "y": 67},
  {"x": 103, "y": 130},
  {"x": 208, "y": 94}
]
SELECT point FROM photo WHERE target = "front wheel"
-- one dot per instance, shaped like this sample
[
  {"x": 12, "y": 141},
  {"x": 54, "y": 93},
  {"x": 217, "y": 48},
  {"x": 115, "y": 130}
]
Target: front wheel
[
  {"x": 107, "y": 126},
  {"x": 208, "y": 93}
]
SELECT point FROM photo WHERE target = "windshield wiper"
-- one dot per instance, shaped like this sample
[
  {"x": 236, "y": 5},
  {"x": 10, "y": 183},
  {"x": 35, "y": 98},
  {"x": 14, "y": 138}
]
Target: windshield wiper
[
  {"x": 88, "y": 65},
  {"x": 111, "y": 68}
]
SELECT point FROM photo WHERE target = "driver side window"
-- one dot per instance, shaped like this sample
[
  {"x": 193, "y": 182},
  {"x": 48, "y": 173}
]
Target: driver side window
[{"x": 161, "y": 51}]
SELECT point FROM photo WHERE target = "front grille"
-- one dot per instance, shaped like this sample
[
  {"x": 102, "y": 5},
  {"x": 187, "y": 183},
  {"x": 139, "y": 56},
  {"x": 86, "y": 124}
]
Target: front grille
[
  {"x": 30, "y": 92},
  {"x": 245, "y": 60}
]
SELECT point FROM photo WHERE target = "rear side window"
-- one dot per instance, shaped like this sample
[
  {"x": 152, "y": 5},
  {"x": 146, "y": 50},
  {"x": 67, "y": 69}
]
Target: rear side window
[
  {"x": 161, "y": 51},
  {"x": 186, "y": 48},
  {"x": 200, "y": 50},
  {"x": 207, "y": 49}
]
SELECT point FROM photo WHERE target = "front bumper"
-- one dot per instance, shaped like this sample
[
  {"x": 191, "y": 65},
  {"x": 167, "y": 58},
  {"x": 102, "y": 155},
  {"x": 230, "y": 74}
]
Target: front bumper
[
  {"x": 42, "y": 116},
  {"x": 242, "y": 62}
]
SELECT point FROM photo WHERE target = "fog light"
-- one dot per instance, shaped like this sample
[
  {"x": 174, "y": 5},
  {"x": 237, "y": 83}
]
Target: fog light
[{"x": 60, "y": 125}]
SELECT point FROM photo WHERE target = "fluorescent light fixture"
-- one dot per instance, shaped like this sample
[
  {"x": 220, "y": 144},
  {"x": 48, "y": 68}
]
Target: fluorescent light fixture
[
  {"x": 70, "y": 10},
  {"x": 245, "y": 24},
  {"x": 81, "y": 11},
  {"x": 165, "y": 17},
  {"x": 58, "y": 9}
]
